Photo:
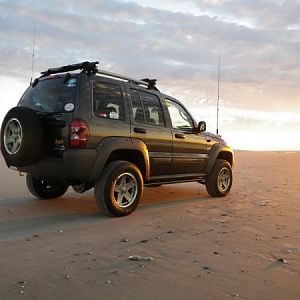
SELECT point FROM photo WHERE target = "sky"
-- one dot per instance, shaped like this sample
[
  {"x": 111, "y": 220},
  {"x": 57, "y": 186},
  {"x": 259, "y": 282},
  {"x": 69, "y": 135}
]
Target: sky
[{"x": 179, "y": 43}]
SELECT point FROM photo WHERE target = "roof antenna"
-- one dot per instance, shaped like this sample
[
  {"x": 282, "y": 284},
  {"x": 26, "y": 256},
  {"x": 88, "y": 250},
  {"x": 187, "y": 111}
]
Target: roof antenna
[
  {"x": 33, "y": 46},
  {"x": 218, "y": 101}
]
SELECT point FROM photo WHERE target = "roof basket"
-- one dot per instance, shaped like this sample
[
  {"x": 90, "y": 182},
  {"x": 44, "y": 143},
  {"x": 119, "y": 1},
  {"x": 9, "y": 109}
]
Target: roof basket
[{"x": 87, "y": 67}]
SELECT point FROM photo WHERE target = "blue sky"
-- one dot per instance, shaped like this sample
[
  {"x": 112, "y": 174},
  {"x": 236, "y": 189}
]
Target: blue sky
[{"x": 178, "y": 42}]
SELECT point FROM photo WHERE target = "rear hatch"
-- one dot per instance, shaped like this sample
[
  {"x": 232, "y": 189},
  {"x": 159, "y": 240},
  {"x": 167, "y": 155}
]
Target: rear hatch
[{"x": 54, "y": 100}]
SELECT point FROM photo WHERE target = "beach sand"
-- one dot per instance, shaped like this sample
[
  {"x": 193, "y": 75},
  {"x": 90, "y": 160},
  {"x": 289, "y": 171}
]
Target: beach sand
[{"x": 246, "y": 245}]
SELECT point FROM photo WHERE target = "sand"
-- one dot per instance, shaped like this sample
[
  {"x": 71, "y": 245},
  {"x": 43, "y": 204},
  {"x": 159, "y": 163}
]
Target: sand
[{"x": 245, "y": 246}]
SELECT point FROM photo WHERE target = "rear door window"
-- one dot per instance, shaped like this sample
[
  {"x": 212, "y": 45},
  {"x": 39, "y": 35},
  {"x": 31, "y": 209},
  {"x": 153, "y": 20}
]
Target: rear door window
[
  {"x": 108, "y": 101},
  {"x": 137, "y": 107},
  {"x": 146, "y": 108}
]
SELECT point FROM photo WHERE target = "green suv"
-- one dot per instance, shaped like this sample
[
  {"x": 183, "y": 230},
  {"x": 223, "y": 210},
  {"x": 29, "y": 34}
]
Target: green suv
[{"x": 83, "y": 127}]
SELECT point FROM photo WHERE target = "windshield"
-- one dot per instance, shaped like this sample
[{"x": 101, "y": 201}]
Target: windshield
[{"x": 51, "y": 95}]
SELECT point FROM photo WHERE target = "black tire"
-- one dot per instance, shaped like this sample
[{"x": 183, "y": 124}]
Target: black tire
[
  {"x": 81, "y": 188},
  {"x": 111, "y": 180},
  {"x": 78, "y": 188},
  {"x": 43, "y": 189},
  {"x": 29, "y": 138},
  {"x": 219, "y": 181}
]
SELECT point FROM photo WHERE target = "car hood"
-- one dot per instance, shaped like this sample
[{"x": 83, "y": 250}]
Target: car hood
[{"x": 214, "y": 137}]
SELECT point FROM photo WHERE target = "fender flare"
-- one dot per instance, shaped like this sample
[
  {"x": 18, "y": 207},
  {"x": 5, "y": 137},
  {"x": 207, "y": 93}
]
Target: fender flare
[
  {"x": 214, "y": 154},
  {"x": 110, "y": 144}
]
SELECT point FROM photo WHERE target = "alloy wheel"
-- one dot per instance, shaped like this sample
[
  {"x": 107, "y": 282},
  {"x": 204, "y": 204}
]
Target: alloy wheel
[
  {"x": 224, "y": 179},
  {"x": 12, "y": 136},
  {"x": 125, "y": 190}
]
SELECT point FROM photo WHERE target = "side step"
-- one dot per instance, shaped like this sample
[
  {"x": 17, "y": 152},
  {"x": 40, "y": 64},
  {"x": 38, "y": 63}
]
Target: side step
[{"x": 177, "y": 178}]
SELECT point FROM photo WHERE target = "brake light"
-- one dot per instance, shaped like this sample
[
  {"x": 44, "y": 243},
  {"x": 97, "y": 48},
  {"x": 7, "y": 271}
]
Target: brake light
[{"x": 79, "y": 134}]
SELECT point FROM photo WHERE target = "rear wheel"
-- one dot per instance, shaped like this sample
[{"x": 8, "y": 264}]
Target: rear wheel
[
  {"x": 219, "y": 181},
  {"x": 119, "y": 188},
  {"x": 43, "y": 189}
]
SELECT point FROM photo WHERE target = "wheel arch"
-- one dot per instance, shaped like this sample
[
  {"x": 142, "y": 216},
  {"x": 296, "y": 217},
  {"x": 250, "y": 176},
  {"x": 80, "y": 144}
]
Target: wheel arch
[
  {"x": 226, "y": 155},
  {"x": 119, "y": 148},
  {"x": 219, "y": 151},
  {"x": 131, "y": 155}
]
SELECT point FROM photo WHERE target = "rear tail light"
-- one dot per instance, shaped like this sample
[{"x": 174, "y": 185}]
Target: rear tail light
[{"x": 79, "y": 134}]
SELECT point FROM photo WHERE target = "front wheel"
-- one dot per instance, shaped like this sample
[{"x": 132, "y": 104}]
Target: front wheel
[
  {"x": 119, "y": 188},
  {"x": 219, "y": 181},
  {"x": 44, "y": 189}
]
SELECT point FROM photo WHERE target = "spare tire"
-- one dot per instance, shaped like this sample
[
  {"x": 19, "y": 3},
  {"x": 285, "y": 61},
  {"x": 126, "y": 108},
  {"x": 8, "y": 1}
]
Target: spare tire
[{"x": 21, "y": 137}]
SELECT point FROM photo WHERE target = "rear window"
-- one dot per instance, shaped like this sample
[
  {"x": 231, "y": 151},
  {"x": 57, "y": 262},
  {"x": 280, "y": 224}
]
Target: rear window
[{"x": 51, "y": 95}]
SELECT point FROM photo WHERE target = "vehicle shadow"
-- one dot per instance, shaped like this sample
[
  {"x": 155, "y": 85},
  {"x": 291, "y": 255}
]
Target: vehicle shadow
[{"x": 28, "y": 216}]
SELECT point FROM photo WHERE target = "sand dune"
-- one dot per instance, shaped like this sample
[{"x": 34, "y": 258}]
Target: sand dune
[{"x": 246, "y": 245}]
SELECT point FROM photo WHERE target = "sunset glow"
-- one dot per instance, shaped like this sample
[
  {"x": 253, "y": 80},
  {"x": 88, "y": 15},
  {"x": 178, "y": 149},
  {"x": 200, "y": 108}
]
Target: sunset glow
[{"x": 179, "y": 43}]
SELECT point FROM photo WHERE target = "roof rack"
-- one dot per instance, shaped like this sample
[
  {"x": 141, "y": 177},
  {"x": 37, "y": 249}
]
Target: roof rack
[
  {"x": 149, "y": 83},
  {"x": 123, "y": 77},
  {"x": 86, "y": 67},
  {"x": 90, "y": 68}
]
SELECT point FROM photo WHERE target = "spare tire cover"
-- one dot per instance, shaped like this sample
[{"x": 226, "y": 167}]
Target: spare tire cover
[{"x": 21, "y": 137}]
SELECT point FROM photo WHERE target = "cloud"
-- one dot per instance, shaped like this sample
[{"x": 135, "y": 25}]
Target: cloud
[
  {"x": 267, "y": 13},
  {"x": 258, "y": 42}
]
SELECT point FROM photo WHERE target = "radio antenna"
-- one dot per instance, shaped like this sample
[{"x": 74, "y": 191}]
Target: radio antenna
[
  {"x": 33, "y": 48},
  {"x": 218, "y": 101}
]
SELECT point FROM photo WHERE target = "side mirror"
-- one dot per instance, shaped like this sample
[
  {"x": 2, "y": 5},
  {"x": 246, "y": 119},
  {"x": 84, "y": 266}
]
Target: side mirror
[{"x": 201, "y": 126}]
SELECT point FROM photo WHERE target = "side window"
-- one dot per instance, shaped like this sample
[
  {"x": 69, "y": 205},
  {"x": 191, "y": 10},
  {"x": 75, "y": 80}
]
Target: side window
[
  {"x": 137, "y": 107},
  {"x": 152, "y": 108},
  {"x": 179, "y": 117},
  {"x": 146, "y": 108},
  {"x": 108, "y": 101}
]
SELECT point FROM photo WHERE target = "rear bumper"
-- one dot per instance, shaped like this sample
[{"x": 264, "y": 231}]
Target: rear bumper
[{"x": 74, "y": 166}]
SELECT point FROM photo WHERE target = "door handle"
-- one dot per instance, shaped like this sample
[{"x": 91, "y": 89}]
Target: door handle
[
  {"x": 139, "y": 130},
  {"x": 180, "y": 135}
]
